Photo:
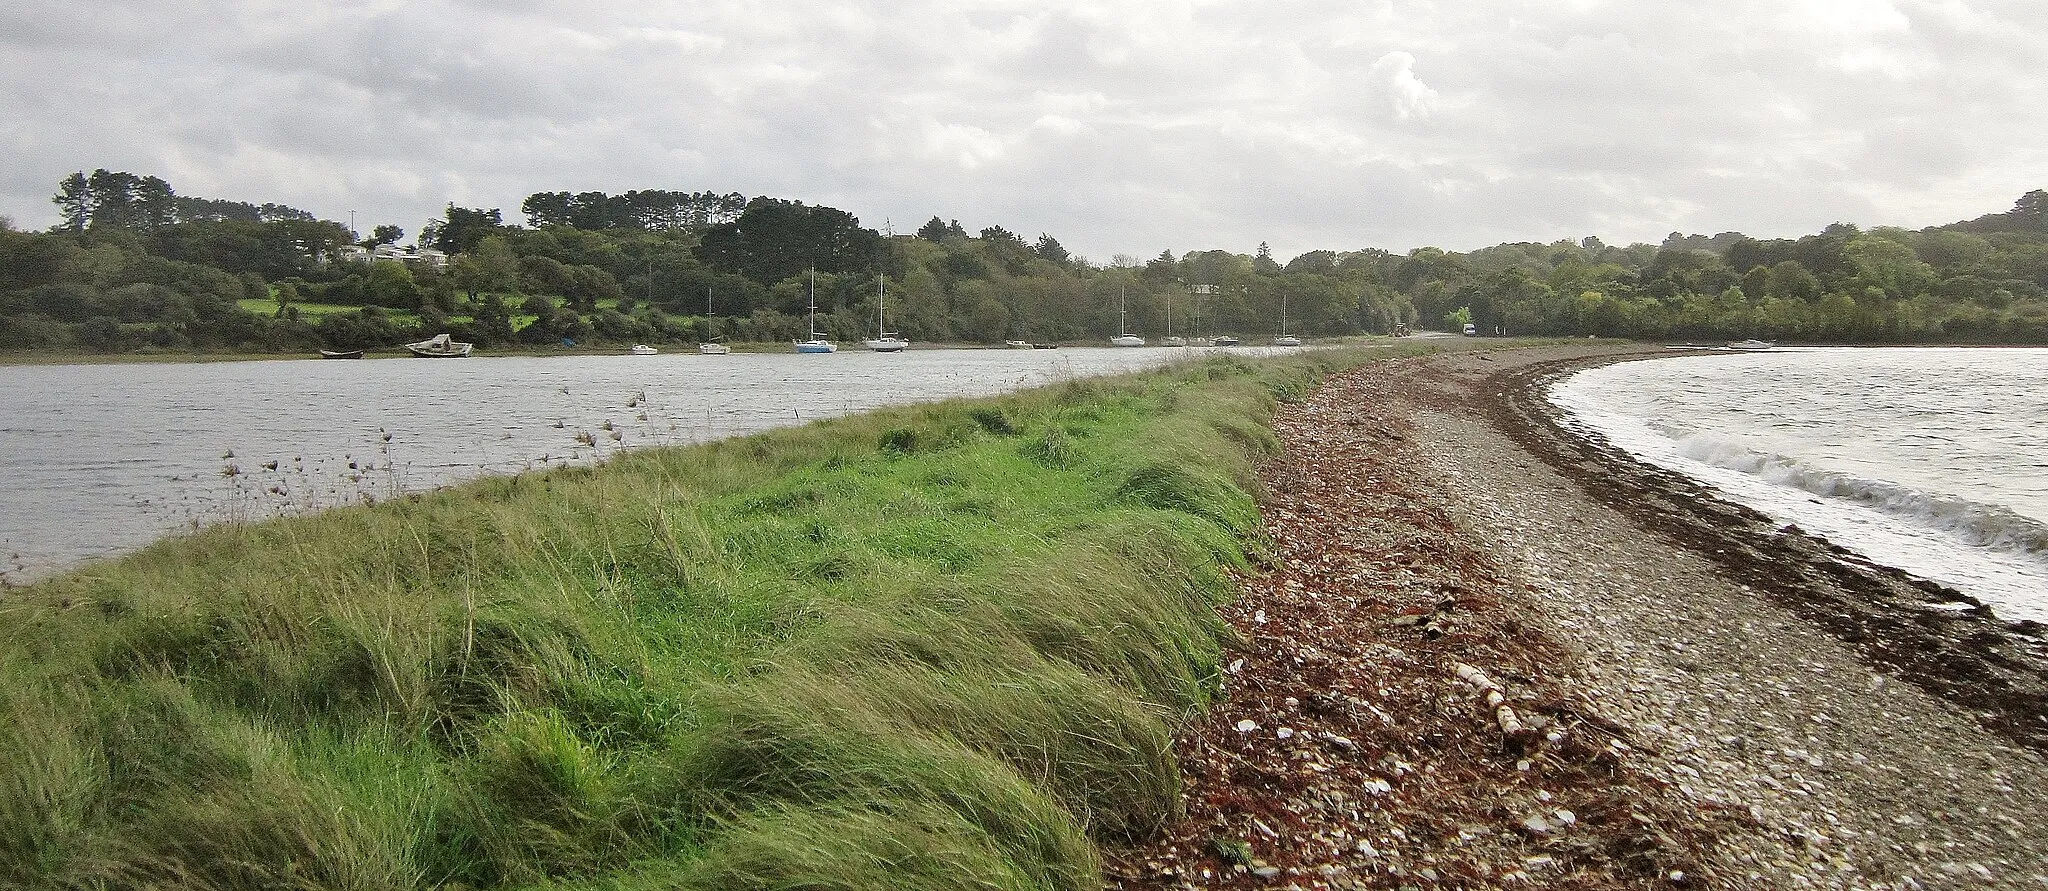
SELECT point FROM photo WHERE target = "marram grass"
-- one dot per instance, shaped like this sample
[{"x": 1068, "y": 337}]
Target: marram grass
[{"x": 940, "y": 646}]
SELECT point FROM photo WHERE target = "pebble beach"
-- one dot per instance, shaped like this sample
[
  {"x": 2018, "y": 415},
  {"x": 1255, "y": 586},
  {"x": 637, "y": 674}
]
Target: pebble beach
[{"x": 1484, "y": 652}]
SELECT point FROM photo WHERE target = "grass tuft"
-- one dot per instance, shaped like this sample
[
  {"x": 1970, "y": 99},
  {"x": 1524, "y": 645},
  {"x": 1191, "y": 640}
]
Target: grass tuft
[{"x": 938, "y": 646}]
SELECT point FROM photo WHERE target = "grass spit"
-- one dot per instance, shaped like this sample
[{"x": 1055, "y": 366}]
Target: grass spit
[{"x": 939, "y": 646}]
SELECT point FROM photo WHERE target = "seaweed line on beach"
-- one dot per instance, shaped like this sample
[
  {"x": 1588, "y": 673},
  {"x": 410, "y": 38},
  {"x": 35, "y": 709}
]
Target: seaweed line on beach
[{"x": 1944, "y": 642}]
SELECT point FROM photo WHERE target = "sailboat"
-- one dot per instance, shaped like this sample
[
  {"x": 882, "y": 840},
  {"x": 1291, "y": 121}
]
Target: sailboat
[
  {"x": 885, "y": 341},
  {"x": 711, "y": 347},
  {"x": 817, "y": 343},
  {"x": 1170, "y": 339},
  {"x": 1284, "y": 338},
  {"x": 1123, "y": 338}
]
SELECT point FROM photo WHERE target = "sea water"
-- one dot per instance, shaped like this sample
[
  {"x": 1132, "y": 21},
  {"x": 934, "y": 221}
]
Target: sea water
[
  {"x": 100, "y": 459},
  {"x": 1931, "y": 460}
]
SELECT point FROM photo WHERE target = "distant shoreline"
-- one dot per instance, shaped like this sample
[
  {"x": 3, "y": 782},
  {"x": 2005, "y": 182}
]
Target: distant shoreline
[{"x": 69, "y": 357}]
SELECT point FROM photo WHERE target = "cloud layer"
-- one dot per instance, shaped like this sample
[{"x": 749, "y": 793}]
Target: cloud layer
[{"x": 1119, "y": 127}]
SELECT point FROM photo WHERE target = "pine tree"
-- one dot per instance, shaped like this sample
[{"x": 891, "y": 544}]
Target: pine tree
[{"x": 74, "y": 203}]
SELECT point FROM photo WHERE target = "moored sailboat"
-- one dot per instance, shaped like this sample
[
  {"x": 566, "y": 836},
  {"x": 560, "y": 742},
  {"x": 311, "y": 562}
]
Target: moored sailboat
[
  {"x": 1284, "y": 338},
  {"x": 885, "y": 341},
  {"x": 817, "y": 343},
  {"x": 711, "y": 346},
  {"x": 1123, "y": 338},
  {"x": 1171, "y": 339}
]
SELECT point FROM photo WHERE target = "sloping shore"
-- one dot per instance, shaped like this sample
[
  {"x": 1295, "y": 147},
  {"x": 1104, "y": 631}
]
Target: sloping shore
[{"x": 1698, "y": 699}]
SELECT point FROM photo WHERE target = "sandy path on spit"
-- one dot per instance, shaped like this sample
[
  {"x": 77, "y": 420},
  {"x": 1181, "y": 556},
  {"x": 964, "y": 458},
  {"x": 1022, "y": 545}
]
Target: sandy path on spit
[{"x": 1698, "y": 702}]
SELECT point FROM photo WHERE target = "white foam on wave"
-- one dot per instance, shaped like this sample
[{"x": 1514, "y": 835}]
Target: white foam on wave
[
  {"x": 1990, "y": 526},
  {"x": 1985, "y": 551}
]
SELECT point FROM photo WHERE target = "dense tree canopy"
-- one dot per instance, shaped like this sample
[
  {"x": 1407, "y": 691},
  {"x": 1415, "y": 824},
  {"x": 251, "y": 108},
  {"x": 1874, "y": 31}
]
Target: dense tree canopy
[
  {"x": 653, "y": 209},
  {"x": 775, "y": 239},
  {"x": 134, "y": 265}
]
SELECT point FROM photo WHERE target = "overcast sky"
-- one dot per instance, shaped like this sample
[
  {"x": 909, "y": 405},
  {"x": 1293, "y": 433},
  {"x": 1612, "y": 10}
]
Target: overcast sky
[{"x": 1124, "y": 127}]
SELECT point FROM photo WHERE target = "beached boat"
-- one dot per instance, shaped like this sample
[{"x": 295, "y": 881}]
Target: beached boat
[
  {"x": 817, "y": 343},
  {"x": 1018, "y": 344},
  {"x": 641, "y": 349},
  {"x": 341, "y": 354},
  {"x": 1752, "y": 346},
  {"x": 1224, "y": 340},
  {"x": 885, "y": 341},
  {"x": 440, "y": 346},
  {"x": 1123, "y": 338}
]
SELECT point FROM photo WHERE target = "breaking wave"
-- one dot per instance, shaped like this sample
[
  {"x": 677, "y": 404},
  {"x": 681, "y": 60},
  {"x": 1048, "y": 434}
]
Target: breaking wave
[{"x": 1990, "y": 526}]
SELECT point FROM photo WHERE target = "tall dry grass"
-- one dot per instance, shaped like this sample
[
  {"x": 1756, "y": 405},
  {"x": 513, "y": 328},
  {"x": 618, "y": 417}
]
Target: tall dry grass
[{"x": 939, "y": 646}]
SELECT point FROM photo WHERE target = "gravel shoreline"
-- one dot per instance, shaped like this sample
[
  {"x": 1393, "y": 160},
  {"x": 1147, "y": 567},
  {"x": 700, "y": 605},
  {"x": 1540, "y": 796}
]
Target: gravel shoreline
[{"x": 1692, "y": 697}]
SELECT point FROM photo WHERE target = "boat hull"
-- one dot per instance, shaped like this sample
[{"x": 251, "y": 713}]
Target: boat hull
[
  {"x": 816, "y": 346},
  {"x": 1127, "y": 340},
  {"x": 888, "y": 345},
  {"x": 440, "y": 346},
  {"x": 341, "y": 354},
  {"x": 713, "y": 349}
]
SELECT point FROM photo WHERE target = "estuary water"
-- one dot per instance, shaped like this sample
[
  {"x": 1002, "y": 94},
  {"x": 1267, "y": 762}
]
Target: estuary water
[
  {"x": 1932, "y": 460},
  {"x": 100, "y": 459}
]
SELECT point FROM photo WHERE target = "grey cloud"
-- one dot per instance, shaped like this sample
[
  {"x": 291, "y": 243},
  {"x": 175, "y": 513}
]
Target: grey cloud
[{"x": 1119, "y": 128}]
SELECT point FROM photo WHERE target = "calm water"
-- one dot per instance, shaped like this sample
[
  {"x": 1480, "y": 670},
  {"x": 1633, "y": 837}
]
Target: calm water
[
  {"x": 1931, "y": 460},
  {"x": 99, "y": 459}
]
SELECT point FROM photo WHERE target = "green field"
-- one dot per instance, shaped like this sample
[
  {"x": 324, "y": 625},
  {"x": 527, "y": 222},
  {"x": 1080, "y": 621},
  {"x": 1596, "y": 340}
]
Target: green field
[
  {"x": 929, "y": 647},
  {"x": 313, "y": 311}
]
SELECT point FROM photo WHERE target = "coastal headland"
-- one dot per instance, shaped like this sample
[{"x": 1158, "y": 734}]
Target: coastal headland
[{"x": 1489, "y": 653}]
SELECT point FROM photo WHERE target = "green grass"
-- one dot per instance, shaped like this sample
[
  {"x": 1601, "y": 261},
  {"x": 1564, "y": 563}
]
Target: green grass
[
  {"x": 930, "y": 647},
  {"x": 313, "y": 311}
]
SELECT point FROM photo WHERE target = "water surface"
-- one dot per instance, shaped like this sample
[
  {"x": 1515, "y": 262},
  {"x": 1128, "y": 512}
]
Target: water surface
[
  {"x": 1932, "y": 460},
  {"x": 100, "y": 459}
]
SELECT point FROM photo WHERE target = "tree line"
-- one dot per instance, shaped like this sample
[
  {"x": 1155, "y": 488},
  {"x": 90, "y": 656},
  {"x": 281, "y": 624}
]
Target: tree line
[{"x": 133, "y": 265}]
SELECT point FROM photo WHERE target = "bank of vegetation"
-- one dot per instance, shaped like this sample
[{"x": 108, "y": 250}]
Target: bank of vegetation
[
  {"x": 938, "y": 646},
  {"x": 134, "y": 266}
]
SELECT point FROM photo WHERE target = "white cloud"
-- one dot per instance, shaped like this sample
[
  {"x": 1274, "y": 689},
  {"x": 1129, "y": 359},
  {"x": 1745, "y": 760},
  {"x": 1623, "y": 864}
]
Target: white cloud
[
  {"x": 1394, "y": 78},
  {"x": 1121, "y": 127}
]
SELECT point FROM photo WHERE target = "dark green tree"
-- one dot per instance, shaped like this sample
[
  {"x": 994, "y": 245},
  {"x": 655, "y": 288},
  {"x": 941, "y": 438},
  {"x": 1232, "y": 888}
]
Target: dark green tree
[
  {"x": 1049, "y": 248},
  {"x": 776, "y": 239},
  {"x": 74, "y": 204},
  {"x": 461, "y": 228},
  {"x": 1263, "y": 262}
]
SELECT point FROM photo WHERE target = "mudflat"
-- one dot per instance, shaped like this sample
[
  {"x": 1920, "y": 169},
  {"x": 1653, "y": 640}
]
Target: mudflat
[{"x": 1485, "y": 652}]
